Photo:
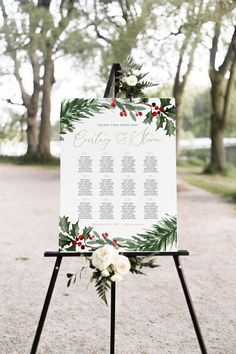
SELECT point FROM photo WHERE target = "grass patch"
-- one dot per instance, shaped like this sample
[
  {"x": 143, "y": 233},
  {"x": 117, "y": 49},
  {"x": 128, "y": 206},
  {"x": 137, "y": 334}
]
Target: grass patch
[
  {"x": 219, "y": 184},
  {"x": 25, "y": 160}
]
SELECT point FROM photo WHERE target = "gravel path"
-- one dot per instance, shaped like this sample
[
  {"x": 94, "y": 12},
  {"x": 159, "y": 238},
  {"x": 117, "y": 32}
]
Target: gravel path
[{"x": 152, "y": 317}]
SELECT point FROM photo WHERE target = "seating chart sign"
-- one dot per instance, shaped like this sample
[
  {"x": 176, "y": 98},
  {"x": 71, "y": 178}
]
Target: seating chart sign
[{"x": 118, "y": 174}]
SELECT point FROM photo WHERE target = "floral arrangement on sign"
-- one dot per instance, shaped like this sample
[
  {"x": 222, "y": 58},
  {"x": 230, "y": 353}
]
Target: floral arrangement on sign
[
  {"x": 131, "y": 86},
  {"x": 107, "y": 262}
]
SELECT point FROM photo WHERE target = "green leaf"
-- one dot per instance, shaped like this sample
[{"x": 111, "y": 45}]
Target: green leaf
[
  {"x": 96, "y": 242},
  {"x": 132, "y": 116},
  {"x": 162, "y": 119},
  {"x": 130, "y": 106},
  {"x": 86, "y": 231},
  {"x": 71, "y": 248},
  {"x": 158, "y": 123},
  {"x": 64, "y": 224},
  {"x": 141, "y": 108},
  {"x": 108, "y": 241},
  {"x": 63, "y": 243},
  {"x": 170, "y": 128},
  {"x": 170, "y": 112},
  {"x": 96, "y": 234},
  {"x": 149, "y": 118},
  {"x": 74, "y": 229},
  {"x": 120, "y": 105},
  {"x": 165, "y": 102}
]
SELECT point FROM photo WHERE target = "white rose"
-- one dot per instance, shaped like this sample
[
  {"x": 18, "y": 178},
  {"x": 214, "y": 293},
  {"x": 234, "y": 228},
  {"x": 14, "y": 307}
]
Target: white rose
[
  {"x": 121, "y": 265},
  {"x": 124, "y": 79},
  {"x": 116, "y": 277},
  {"x": 136, "y": 72},
  {"x": 131, "y": 80},
  {"x": 103, "y": 257},
  {"x": 105, "y": 273}
]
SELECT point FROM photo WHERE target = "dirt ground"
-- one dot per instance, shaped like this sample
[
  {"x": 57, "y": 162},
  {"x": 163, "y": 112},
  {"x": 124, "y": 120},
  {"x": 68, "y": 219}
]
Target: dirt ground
[{"x": 152, "y": 316}]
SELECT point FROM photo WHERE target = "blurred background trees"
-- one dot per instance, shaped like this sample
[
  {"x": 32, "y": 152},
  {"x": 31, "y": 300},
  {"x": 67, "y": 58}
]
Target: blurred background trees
[{"x": 43, "y": 39}]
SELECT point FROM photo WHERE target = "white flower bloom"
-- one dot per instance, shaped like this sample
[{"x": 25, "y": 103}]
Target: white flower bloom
[
  {"x": 116, "y": 277},
  {"x": 131, "y": 80},
  {"x": 103, "y": 257},
  {"x": 124, "y": 79},
  {"x": 136, "y": 72},
  {"x": 121, "y": 265},
  {"x": 105, "y": 273}
]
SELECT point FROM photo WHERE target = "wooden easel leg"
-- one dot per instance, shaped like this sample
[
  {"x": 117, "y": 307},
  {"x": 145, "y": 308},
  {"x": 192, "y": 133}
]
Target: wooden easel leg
[
  {"x": 46, "y": 305},
  {"x": 190, "y": 305},
  {"x": 113, "y": 314}
]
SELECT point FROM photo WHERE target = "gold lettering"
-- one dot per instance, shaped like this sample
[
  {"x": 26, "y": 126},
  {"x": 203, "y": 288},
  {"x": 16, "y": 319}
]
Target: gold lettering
[{"x": 97, "y": 139}]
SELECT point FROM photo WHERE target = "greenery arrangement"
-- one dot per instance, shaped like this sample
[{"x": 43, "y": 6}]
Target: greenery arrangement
[
  {"x": 131, "y": 82},
  {"x": 74, "y": 110},
  {"x": 159, "y": 238},
  {"x": 138, "y": 107},
  {"x": 107, "y": 262},
  {"x": 162, "y": 114}
]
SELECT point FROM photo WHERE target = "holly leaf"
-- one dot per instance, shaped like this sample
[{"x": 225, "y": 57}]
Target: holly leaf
[
  {"x": 71, "y": 248},
  {"x": 148, "y": 118},
  {"x": 64, "y": 224},
  {"x": 170, "y": 112},
  {"x": 158, "y": 123},
  {"x": 165, "y": 102},
  {"x": 63, "y": 243},
  {"x": 162, "y": 119},
  {"x": 170, "y": 128},
  {"x": 74, "y": 229},
  {"x": 86, "y": 231}
]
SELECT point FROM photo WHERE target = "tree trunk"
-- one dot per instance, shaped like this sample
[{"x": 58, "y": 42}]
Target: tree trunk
[
  {"x": 32, "y": 140},
  {"x": 45, "y": 126},
  {"x": 218, "y": 158},
  {"x": 221, "y": 91}
]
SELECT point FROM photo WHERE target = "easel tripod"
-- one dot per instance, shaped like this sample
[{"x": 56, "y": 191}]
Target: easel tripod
[{"x": 111, "y": 91}]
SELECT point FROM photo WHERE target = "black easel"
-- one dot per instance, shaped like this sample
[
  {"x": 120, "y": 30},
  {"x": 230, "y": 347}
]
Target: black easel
[{"x": 112, "y": 89}]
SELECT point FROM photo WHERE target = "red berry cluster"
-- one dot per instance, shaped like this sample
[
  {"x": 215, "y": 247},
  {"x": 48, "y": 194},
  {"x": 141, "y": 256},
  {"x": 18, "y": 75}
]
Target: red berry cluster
[
  {"x": 113, "y": 102},
  {"x": 105, "y": 235},
  {"x": 157, "y": 110},
  {"x": 80, "y": 241},
  {"x": 123, "y": 113}
]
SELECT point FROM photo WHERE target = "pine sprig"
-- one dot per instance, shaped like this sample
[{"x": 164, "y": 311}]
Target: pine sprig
[
  {"x": 79, "y": 108},
  {"x": 102, "y": 285},
  {"x": 138, "y": 263},
  {"x": 162, "y": 235}
]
